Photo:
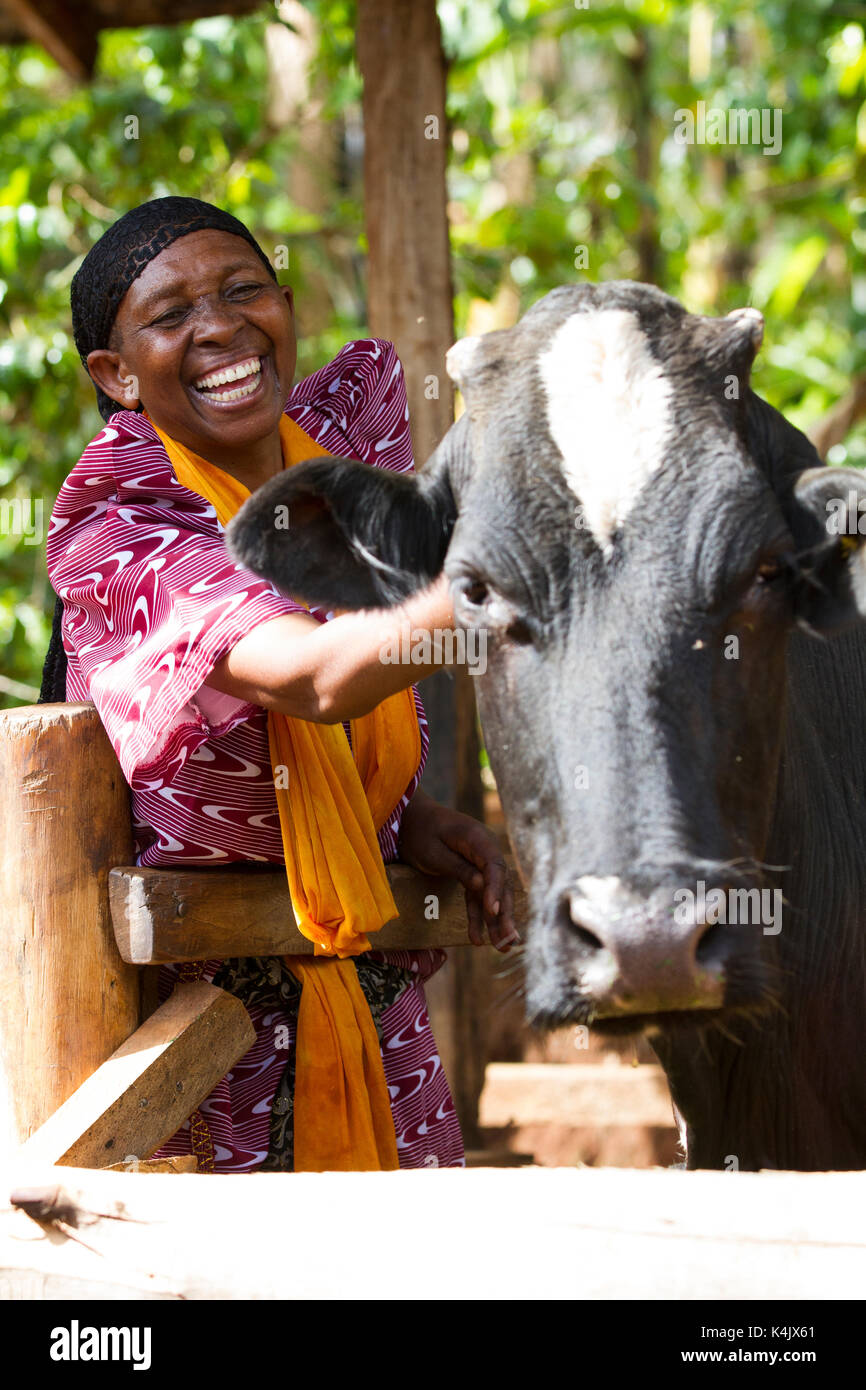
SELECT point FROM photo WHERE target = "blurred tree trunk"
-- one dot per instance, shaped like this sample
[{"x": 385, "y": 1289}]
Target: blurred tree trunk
[
  {"x": 834, "y": 427},
  {"x": 312, "y": 169},
  {"x": 405, "y": 149},
  {"x": 647, "y": 245}
]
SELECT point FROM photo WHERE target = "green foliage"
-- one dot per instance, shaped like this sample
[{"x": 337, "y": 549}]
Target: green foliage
[
  {"x": 563, "y": 90},
  {"x": 562, "y": 129}
]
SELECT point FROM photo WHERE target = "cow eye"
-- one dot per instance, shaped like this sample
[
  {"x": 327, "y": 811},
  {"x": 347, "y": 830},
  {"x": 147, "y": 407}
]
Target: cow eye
[
  {"x": 475, "y": 592},
  {"x": 771, "y": 581},
  {"x": 479, "y": 605},
  {"x": 769, "y": 571},
  {"x": 471, "y": 592},
  {"x": 774, "y": 571}
]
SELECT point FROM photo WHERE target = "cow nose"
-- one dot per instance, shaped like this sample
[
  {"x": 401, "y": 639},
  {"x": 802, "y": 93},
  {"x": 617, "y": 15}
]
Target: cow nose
[{"x": 635, "y": 955}]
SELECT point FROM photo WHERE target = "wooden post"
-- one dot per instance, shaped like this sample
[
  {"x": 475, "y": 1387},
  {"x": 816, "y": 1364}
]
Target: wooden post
[
  {"x": 410, "y": 294},
  {"x": 402, "y": 62},
  {"x": 405, "y": 151},
  {"x": 68, "y": 1000},
  {"x": 295, "y": 100}
]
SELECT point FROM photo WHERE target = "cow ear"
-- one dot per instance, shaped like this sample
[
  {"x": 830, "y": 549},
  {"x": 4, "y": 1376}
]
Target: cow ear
[
  {"x": 342, "y": 534},
  {"x": 827, "y": 515}
]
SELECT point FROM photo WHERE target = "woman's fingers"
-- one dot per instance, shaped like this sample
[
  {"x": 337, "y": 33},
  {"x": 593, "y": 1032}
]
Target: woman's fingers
[
  {"x": 497, "y": 899},
  {"x": 473, "y": 856},
  {"x": 476, "y": 920},
  {"x": 455, "y": 865},
  {"x": 499, "y": 915}
]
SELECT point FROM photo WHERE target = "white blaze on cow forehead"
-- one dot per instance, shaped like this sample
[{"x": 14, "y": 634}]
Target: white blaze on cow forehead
[{"x": 608, "y": 410}]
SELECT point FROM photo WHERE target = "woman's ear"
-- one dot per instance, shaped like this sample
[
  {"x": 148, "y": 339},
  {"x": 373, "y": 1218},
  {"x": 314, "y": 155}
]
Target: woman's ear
[{"x": 107, "y": 370}]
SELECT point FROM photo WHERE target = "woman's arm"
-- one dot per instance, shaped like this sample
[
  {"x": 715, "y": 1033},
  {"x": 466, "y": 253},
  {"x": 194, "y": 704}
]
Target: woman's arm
[{"x": 328, "y": 672}]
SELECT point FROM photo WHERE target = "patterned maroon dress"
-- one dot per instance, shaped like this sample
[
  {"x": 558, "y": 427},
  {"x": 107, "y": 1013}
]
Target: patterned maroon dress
[{"x": 151, "y": 602}]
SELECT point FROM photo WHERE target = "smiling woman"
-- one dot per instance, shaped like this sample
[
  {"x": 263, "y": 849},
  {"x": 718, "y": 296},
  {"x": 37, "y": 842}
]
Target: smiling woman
[{"x": 224, "y": 698}]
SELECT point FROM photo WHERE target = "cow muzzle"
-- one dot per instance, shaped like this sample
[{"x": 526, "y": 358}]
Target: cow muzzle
[{"x": 627, "y": 954}]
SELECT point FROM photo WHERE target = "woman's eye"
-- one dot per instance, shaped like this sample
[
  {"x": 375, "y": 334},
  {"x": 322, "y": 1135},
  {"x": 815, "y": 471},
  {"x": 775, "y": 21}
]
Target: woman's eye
[
  {"x": 166, "y": 320},
  {"x": 174, "y": 316}
]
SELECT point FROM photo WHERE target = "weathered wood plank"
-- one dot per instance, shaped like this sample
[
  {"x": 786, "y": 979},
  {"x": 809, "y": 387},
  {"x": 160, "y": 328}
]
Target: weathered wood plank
[
  {"x": 182, "y": 1163},
  {"x": 166, "y": 915},
  {"x": 532, "y": 1233},
  {"x": 137, "y": 1099},
  {"x": 532, "y": 1093},
  {"x": 68, "y": 1000}
]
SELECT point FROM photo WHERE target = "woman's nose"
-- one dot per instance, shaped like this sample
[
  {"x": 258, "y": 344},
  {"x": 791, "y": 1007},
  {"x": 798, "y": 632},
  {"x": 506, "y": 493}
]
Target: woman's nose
[{"x": 216, "y": 320}]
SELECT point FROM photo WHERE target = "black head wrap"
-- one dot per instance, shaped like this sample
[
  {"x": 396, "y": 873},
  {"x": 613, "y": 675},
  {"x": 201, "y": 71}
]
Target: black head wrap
[
  {"x": 120, "y": 256},
  {"x": 99, "y": 285}
]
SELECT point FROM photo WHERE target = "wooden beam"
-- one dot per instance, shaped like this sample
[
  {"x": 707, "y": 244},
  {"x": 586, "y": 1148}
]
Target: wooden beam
[
  {"x": 144, "y": 1092},
  {"x": 501, "y": 1234},
  {"x": 69, "y": 35},
  {"x": 600, "y": 1093},
  {"x": 167, "y": 915},
  {"x": 68, "y": 1000}
]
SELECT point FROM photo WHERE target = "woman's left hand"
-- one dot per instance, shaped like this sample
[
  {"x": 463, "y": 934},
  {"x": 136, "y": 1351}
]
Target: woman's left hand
[{"x": 437, "y": 840}]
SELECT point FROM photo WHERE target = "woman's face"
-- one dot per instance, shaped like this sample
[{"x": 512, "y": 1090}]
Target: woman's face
[{"x": 205, "y": 305}]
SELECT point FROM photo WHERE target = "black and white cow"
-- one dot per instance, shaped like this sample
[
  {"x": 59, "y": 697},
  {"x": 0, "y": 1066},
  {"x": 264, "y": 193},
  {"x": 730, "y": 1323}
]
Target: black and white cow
[{"x": 680, "y": 751}]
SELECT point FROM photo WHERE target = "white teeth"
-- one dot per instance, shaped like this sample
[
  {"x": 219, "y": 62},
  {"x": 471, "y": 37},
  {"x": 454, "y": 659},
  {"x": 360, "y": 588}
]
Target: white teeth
[
  {"x": 251, "y": 367},
  {"x": 235, "y": 395}
]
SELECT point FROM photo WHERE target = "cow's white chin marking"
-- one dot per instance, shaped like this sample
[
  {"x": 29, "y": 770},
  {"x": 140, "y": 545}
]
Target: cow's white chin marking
[{"x": 608, "y": 411}]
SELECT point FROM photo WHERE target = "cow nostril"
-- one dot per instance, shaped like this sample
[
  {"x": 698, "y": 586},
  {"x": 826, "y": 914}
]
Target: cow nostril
[
  {"x": 576, "y": 928},
  {"x": 584, "y": 935},
  {"x": 710, "y": 947}
]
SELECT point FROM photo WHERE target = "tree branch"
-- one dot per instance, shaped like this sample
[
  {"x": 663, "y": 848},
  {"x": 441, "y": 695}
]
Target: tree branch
[{"x": 835, "y": 426}]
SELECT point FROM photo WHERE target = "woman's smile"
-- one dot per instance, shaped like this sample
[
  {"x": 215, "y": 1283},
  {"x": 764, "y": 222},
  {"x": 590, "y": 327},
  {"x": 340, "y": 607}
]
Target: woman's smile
[
  {"x": 241, "y": 372},
  {"x": 241, "y": 384}
]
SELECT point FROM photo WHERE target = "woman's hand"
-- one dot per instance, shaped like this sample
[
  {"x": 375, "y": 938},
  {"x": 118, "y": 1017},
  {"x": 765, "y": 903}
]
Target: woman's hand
[{"x": 437, "y": 840}]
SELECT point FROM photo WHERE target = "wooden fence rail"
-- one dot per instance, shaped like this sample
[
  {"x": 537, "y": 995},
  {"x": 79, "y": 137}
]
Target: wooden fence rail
[{"x": 493, "y": 1234}]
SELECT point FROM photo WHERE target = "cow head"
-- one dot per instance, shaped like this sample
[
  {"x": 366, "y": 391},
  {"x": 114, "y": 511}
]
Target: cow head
[{"x": 636, "y": 534}]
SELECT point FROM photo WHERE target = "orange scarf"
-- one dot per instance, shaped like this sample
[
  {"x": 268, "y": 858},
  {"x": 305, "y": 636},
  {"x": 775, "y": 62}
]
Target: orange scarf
[{"x": 332, "y": 800}]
